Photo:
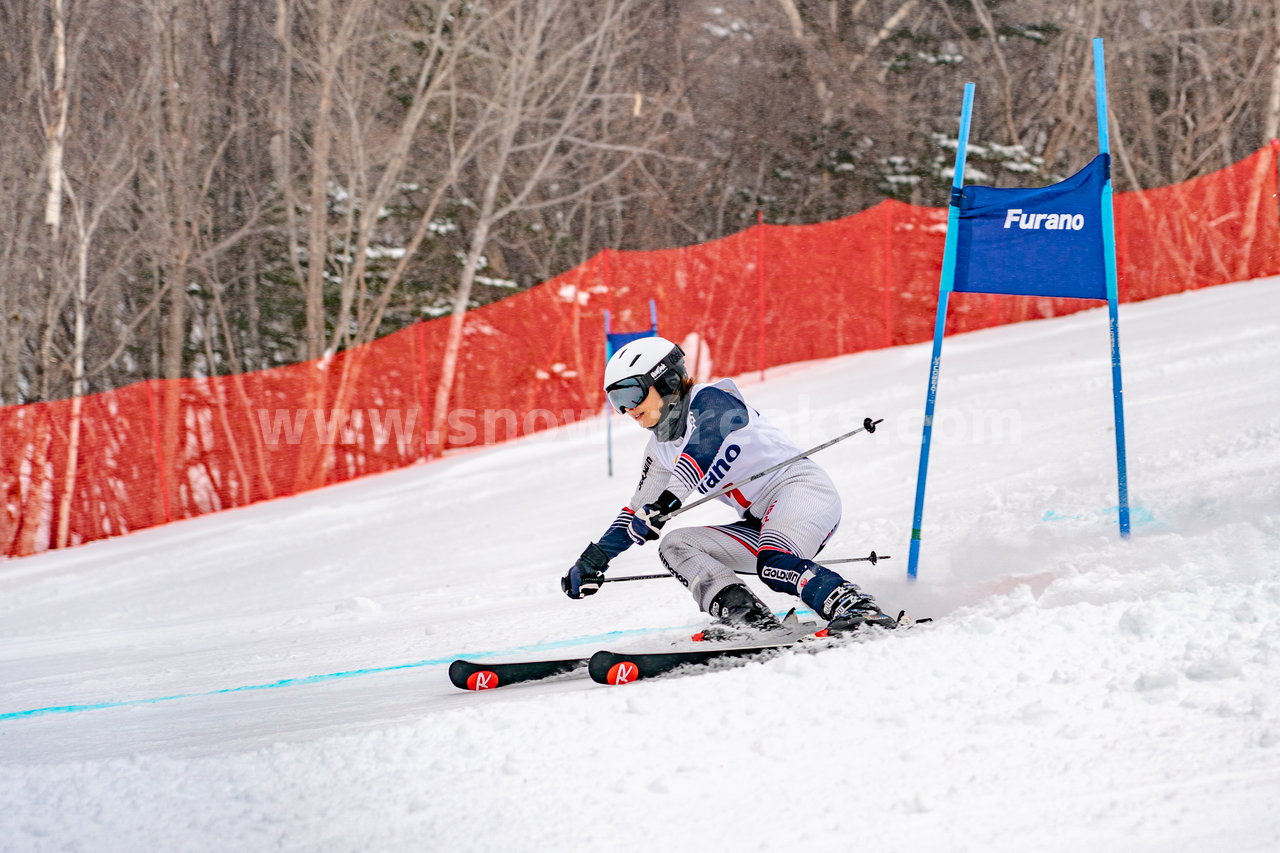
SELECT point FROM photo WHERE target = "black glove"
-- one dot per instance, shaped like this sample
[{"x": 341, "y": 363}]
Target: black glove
[
  {"x": 649, "y": 519},
  {"x": 587, "y": 574}
]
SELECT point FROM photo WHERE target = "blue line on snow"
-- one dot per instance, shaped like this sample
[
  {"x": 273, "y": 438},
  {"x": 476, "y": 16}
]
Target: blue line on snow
[
  {"x": 334, "y": 676},
  {"x": 1140, "y": 515}
]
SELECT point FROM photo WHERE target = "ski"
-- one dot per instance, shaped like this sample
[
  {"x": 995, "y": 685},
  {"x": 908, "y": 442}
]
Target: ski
[
  {"x": 606, "y": 667},
  {"x": 471, "y": 675}
]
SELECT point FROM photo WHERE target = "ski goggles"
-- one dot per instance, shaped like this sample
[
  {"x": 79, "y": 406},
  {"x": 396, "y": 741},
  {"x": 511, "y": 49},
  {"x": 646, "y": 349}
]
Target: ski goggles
[{"x": 628, "y": 393}]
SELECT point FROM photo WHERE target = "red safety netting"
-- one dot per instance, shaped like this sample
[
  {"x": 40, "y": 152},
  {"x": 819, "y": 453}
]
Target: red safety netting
[{"x": 164, "y": 450}]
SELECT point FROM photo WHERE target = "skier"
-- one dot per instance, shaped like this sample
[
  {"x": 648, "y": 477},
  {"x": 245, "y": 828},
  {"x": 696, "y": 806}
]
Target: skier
[{"x": 703, "y": 436}]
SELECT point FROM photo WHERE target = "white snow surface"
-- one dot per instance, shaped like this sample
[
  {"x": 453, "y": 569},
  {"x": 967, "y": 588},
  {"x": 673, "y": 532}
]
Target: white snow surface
[{"x": 1077, "y": 691}]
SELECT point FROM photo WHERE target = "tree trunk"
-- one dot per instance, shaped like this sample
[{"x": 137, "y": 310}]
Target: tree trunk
[
  {"x": 318, "y": 221},
  {"x": 77, "y": 384},
  {"x": 56, "y": 132},
  {"x": 1271, "y": 127},
  {"x": 438, "y": 437}
]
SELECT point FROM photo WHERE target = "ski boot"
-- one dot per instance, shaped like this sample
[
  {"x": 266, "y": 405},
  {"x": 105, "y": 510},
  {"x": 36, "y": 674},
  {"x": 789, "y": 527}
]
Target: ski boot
[
  {"x": 739, "y": 615},
  {"x": 849, "y": 608}
]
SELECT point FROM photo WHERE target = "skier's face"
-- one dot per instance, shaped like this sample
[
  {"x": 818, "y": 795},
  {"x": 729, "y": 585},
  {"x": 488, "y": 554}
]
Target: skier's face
[{"x": 650, "y": 409}]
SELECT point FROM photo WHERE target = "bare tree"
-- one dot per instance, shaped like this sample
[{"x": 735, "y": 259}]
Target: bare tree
[
  {"x": 87, "y": 217},
  {"x": 1271, "y": 126},
  {"x": 86, "y": 179},
  {"x": 364, "y": 149},
  {"x": 24, "y": 72},
  {"x": 543, "y": 78}
]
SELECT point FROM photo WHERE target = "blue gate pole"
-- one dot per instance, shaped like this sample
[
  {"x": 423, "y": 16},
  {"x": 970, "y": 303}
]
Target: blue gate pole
[
  {"x": 1113, "y": 294},
  {"x": 939, "y": 327}
]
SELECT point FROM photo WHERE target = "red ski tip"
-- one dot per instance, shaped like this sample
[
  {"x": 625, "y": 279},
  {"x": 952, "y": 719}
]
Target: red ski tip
[
  {"x": 482, "y": 680},
  {"x": 699, "y": 637},
  {"x": 823, "y": 633},
  {"x": 623, "y": 672}
]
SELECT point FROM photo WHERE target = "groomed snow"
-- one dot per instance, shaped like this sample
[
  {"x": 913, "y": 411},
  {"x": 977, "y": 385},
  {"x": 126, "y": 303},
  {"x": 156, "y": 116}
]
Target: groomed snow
[{"x": 1077, "y": 691}]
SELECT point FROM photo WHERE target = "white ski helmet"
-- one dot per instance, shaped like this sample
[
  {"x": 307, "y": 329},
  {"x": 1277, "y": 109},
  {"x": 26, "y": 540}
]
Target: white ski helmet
[{"x": 640, "y": 365}]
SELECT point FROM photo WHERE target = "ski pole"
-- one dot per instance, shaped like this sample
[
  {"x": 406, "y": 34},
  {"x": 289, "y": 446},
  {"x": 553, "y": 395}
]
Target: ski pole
[
  {"x": 638, "y": 578},
  {"x": 872, "y": 559},
  {"x": 868, "y": 425}
]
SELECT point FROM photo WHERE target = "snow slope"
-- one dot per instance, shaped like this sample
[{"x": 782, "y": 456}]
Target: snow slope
[{"x": 274, "y": 677}]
